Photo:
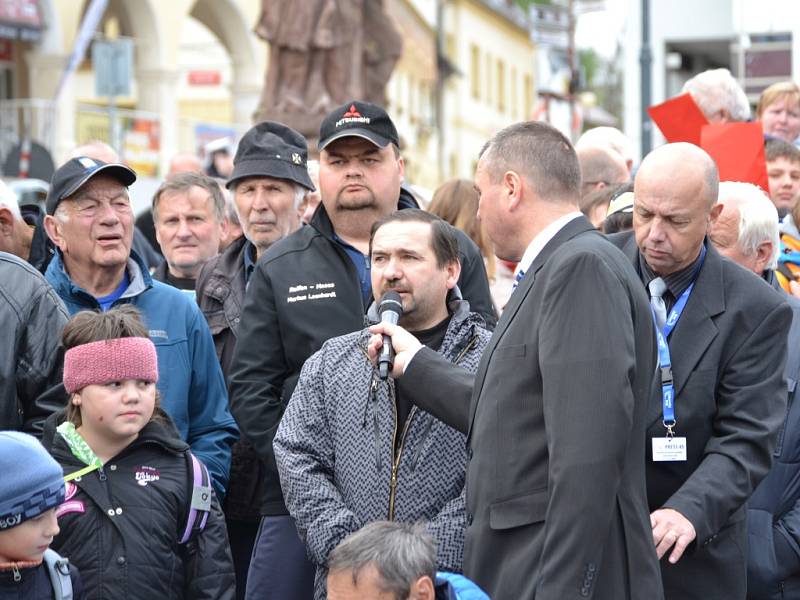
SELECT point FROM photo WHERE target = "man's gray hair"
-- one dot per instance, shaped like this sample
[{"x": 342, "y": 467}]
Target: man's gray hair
[
  {"x": 299, "y": 194},
  {"x": 541, "y": 154},
  {"x": 758, "y": 217},
  {"x": 183, "y": 182},
  {"x": 400, "y": 552},
  {"x": 8, "y": 199},
  {"x": 716, "y": 90}
]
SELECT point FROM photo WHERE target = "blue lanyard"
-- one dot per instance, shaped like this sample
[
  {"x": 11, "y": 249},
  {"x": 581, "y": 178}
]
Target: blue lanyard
[{"x": 664, "y": 359}]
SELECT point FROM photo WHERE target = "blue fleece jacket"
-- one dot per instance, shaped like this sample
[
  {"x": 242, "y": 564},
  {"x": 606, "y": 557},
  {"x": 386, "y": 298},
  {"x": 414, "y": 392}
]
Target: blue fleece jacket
[{"x": 190, "y": 381}]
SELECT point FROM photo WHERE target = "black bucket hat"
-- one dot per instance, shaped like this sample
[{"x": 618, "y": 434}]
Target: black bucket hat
[{"x": 272, "y": 150}]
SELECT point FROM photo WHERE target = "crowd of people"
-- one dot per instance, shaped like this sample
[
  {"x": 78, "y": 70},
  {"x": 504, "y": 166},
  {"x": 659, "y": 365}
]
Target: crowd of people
[{"x": 589, "y": 392}]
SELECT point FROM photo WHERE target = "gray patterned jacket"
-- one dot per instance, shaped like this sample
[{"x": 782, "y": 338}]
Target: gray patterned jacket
[{"x": 334, "y": 449}]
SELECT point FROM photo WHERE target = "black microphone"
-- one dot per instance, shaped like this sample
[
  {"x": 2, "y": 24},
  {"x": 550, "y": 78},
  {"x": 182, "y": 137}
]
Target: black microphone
[{"x": 390, "y": 310}]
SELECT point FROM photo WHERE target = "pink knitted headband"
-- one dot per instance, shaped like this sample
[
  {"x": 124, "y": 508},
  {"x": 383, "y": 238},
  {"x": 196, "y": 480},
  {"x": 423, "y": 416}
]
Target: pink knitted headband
[{"x": 110, "y": 360}]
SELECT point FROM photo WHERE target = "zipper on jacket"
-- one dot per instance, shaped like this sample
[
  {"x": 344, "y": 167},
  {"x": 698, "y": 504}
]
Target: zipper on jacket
[
  {"x": 102, "y": 474},
  {"x": 17, "y": 574},
  {"x": 399, "y": 453}
]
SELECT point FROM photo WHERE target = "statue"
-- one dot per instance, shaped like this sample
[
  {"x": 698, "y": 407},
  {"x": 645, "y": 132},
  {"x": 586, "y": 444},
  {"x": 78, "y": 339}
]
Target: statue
[{"x": 322, "y": 54}]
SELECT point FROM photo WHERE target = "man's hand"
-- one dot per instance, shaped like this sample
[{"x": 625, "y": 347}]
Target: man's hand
[
  {"x": 405, "y": 345},
  {"x": 671, "y": 528}
]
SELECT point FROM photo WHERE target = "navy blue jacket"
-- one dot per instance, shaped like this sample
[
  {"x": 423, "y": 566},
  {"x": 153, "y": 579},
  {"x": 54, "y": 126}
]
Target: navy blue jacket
[
  {"x": 33, "y": 583},
  {"x": 773, "y": 568}
]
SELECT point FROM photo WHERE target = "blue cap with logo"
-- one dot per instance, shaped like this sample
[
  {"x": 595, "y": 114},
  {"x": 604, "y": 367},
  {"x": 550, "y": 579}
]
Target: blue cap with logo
[{"x": 74, "y": 173}]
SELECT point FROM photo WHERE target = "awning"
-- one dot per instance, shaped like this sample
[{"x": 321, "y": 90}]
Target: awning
[{"x": 20, "y": 19}]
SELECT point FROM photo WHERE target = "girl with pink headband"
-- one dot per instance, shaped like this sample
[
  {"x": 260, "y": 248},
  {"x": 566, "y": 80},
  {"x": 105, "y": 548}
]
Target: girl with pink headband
[{"x": 140, "y": 518}]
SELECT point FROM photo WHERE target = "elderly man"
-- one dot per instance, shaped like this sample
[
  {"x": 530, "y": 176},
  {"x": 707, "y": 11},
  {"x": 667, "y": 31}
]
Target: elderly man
[
  {"x": 310, "y": 287},
  {"x": 393, "y": 561},
  {"x": 719, "y": 96},
  {"x": 189, "y": 216},
  {"x": 143, "y": 244},
  {"x": 556, "y": 499},
  {"x": 89, "y": 219},
  {"x": 713, "y": 422},
  {"x": 334, "y": 478},
  {"x": 610, "y": 138},
  {"x": 22, "y": 231},
  {"x": 267, "y": 192},
  {"x": 747, "y": 233}
]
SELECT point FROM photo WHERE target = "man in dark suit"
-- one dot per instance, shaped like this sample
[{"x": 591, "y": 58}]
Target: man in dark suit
[
  {"x": 728, "y": 351},
  {"x": 556, "y": 499}
]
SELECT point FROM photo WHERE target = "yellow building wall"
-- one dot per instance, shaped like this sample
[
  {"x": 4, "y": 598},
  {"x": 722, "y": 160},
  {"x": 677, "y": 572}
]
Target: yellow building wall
[{"x": 496, "y": 59}]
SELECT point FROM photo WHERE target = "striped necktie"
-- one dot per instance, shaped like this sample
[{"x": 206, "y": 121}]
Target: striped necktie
[{"x": 657, "y": 288}]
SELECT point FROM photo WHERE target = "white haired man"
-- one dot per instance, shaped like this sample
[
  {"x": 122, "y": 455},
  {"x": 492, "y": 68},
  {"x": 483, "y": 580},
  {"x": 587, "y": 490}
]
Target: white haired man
[
  {"x": 22, "y": 231},
  {"x": 719, "y": 96},
  {"x": 747, "y": 233}
]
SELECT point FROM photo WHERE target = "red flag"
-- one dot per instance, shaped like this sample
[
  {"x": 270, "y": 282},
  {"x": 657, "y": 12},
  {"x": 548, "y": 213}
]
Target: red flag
[
  {"x": 679, "y": 119},
  {"x": 738, "y": 150}
]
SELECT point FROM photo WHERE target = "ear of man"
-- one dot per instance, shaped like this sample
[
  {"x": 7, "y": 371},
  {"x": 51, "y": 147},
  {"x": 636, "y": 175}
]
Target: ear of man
[
  {"x": 422, "y": 589},
  {"x": 513, "y": 187},
  {"x": 53, "y": 229}
]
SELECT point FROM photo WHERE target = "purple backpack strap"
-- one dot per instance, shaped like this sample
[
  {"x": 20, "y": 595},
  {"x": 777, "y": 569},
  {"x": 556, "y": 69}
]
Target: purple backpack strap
[{"x": 200, "y": 504}]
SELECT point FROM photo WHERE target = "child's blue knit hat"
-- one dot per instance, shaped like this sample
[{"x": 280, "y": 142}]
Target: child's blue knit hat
[{"x": 31, "y": 482}]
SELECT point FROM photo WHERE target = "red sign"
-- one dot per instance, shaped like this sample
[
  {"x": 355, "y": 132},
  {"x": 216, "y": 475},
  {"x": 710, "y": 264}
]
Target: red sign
[{"x": 205, "y": 78}]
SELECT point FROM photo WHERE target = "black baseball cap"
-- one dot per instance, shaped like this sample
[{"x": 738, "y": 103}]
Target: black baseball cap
[
  {"x": 272, "y": 150},
  {"x": 359, "y": 119},
  {"x": 74, "y": 173}
]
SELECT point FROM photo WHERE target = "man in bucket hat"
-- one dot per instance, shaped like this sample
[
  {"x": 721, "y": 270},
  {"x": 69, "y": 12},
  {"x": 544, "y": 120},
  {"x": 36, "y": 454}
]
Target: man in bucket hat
[
  {"x": 90, "y": 220},
  {"x": 308, "y": 288},
  {"x": 269, "y": 181}
]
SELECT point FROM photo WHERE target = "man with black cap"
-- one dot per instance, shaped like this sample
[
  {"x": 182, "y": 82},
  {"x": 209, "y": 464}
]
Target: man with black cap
[
  {"x": 308, "y": 288},
  {"x": 269, "y": 181},
  {"x": 89, "y": 219}
]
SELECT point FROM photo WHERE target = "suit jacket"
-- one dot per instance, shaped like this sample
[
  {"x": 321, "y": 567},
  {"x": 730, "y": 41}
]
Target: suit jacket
[
  {"x": 556, "y": 500},
  {"x": 728, "y": 354}
]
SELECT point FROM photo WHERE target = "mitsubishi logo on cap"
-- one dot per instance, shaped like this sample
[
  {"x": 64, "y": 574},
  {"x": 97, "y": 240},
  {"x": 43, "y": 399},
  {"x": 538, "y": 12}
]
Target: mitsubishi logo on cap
[
  {"x": 352, "y": 112},
  {"x": 352, "y": 116}
]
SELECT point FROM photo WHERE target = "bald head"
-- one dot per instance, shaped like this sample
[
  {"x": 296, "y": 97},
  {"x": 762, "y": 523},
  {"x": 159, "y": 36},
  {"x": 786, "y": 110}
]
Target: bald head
[
  {"x": 185, "y": 163},
  {"x": 600, "y": 167},
  {"x": 682, "y": 162},
  {"x": 675, "y": 192},
  {"x": 97, "y": 150},
  {"x": 608, "y": 137}
]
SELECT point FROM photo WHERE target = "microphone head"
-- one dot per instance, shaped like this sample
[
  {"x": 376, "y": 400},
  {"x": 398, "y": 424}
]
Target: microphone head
[{"x": 391, "y": 303}]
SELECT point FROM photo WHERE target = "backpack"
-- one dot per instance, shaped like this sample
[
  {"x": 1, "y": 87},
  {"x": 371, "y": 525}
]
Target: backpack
[
  {"x": 201, "y": 493},
  {"x": 58, "y": 569}
]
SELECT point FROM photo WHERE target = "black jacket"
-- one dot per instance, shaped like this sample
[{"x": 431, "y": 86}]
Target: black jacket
[
  {"x": 42, "y": 248},
  {"x": 304, "y": 291},
  {"x": 773, "y": 516},
  {"x": 35, "y": 584},
  {"x": 121, "y": 524},
  {"x": 220, "y": 294},
  {"x": 31, "y": 357}
]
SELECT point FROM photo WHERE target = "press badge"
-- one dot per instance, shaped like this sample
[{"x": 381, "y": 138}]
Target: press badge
[{"x": 669, "y": 449}]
